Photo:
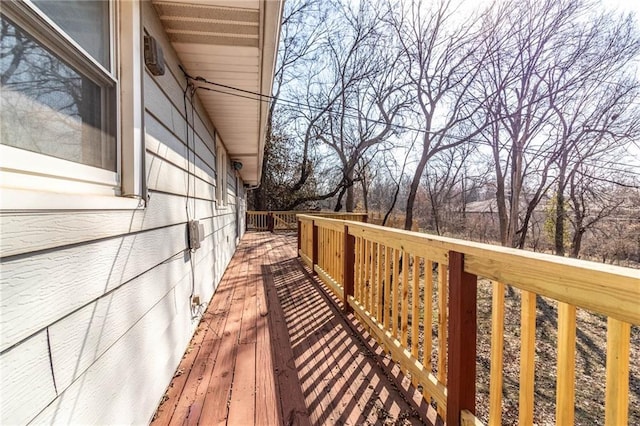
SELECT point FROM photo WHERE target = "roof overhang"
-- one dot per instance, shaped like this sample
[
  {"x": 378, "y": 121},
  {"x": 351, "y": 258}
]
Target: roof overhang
[{"x": 233, "y": 43}]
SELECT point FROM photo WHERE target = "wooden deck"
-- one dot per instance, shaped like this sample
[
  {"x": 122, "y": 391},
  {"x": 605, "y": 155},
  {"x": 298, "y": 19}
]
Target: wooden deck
[{"x": 273, "y": 348}]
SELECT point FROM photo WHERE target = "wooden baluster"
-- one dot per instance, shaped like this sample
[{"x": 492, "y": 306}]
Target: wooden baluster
[
  {"x": 461, "y": 378},
  {"x": 373, "y": 282},
  {"x": 326, "y": 249},
  {"x": 357, "y": 269},
  {"x": 314, "y": 247},
  {"x": 394, "y": 293},
  {"x": 497, "y": 345},
  {"x": 565, "y": 386},
  {"x": 367, "y": 275},
  {"x": 415, "y": 307},
  {"x": 361, "y": 273},
  {"x": 310, "y": 238},
  {"x": 387, "y": 288},
  {"x": 427, "y": 318},
  {"x": 427, "y": 315},
  {"x": 616, "y": 399},
  {"x": 356, "y": 289},
  {"x": 305, "y": 245},
  {"x": 340, "y": 256},
  {"x": 527, "y": 357},
  {"x": 331, "y": 258},
  {"x": 337, "y": 257},
  {"x": 404, "y": 322},
  {"x": 299, "y": 237},
  {"x": 348, "y": 269},
  {"x": 374, "y": 278},
  {"x": 379, "y": 283},
  {"x": 322, "y": 238},
  {"x": 442, "y": 322},
  {"x": 337, "y": 254}
]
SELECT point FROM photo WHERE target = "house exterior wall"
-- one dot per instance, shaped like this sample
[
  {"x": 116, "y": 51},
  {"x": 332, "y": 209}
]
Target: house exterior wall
[{"x": 96, "y": 306}]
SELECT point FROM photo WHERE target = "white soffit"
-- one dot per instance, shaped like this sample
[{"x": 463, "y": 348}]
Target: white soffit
[{"x": 233, "y": 43}]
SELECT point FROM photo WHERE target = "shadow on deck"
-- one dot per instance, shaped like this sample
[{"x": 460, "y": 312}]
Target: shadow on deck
[{"x": 274, "y": 348}]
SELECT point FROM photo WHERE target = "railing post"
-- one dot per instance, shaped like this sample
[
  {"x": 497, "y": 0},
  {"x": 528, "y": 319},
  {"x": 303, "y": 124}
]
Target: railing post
[
  {"x": 365, "y": 218},
  {"x": 314, "y": 247},
  {"x": 270, "y": 221},
  {"x": 299, "y": 236},
  {"x": 461, "y": 371},
  {"x": 348, "y": 263}
]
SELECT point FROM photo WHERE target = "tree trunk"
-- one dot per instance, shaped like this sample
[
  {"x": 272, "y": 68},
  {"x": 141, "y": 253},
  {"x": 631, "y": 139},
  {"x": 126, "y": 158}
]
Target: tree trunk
[
  {"x": 516, "y": 187},
  {"x": 350, "y": 200},
  {"x": 578, "y": 225},
  {"x": 576, "y": 242},
  {"x": 365, "y": 194},
  {"x": 341, "y": 195},
  {"x": 413, "y": 190},
  {"x": 501, "y": 201},
  {"x": 393, "y": 202},
  {"x": 560, "y": 213}
]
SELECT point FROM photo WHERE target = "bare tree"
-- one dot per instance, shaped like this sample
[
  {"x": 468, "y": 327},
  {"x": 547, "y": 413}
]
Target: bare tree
[
  {"x": 522, "y": 56},
  {"x": 596, "y": 114},
  {"x": 299, "y": 40},
  {"x": 347, "y": 101},
  {"x": 363, "y": 77},
  {"x": 436, "y": 60}
]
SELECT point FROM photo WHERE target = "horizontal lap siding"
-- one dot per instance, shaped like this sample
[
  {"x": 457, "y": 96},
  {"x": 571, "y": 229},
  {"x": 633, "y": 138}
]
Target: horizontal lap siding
[
  {"x": 96, "y": 305},
  {"x": 27, "y": 383},
  {"x": 51, "y": 285}
]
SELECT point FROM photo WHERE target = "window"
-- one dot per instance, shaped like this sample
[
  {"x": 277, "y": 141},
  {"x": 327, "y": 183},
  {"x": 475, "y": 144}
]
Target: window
[
  {"x": 60, "y": 126},
  {"x": 86, "y": 22}
]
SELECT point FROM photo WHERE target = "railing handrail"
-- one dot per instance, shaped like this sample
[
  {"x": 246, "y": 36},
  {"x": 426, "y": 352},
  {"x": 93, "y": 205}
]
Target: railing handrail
[
  {"x": 306, "y": 212},
  {"x": 272, "y": 220},
  {"x": 575, "y": 281},
  {"x": 361, "y": 263}
]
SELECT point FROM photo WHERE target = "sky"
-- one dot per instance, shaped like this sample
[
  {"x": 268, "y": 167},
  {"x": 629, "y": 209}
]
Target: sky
[
  {"x": 624, "y": 5},
  {"x": 629, "y": 6}
]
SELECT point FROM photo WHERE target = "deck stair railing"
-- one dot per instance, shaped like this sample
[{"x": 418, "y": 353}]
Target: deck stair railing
[
  {"x": 387, "y": 277},
  {"x": 286, "y": 220}
]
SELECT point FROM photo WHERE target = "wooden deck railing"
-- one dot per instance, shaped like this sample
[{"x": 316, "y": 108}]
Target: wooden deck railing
[
  {"x": 397, "y": 281},
  {"x": 286, "y": 220}
]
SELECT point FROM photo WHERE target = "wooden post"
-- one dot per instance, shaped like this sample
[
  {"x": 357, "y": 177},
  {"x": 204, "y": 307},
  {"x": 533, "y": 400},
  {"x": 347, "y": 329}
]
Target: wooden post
[
  {"x": 299, "y": 237},
  {"x": 461, "y": 374},
  {"x": 348, "y": 264},
  {"x": 270, "y": 222},
  {"x": 365, "y": 218},
  {"x": 314, "y": 247}
]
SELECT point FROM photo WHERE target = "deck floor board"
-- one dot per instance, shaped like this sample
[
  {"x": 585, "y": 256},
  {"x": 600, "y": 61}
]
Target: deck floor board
[{"x": 273, "y": 348}]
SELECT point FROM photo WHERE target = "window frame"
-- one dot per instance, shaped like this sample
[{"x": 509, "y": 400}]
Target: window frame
[{"x": 36, "y": 181}]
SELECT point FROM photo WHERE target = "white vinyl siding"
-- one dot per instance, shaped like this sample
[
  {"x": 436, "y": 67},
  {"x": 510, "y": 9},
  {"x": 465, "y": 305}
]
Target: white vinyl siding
[{"x": 91, "y": 295}]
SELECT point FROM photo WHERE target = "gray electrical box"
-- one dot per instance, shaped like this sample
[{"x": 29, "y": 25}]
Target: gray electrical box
[
  {"x": 195, "y": 230},
  {"x": 153, "y": 56}
]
